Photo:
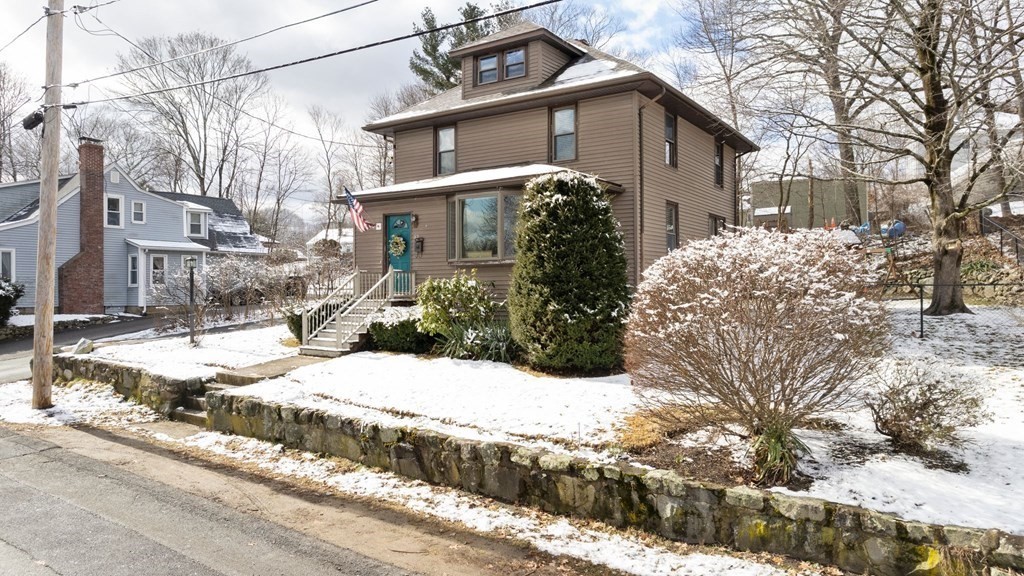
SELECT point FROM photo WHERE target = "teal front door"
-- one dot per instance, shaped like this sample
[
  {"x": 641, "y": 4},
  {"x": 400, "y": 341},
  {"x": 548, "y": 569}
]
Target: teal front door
[{"x": 399, "y": 259}]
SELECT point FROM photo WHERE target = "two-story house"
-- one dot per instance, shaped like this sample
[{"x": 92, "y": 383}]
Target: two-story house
[
  {"x": 532, "y": 103},
  {"x": 117, "y": 244}
]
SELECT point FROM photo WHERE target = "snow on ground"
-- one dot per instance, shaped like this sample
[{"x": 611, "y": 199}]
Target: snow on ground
[
  {"x": 237, "y": 319},
  {"x": 174, "y": 358},
  {"x": 484, "y": 400},
  {"x": 30, "y": 319},
  {"x": 557, "y": 536},
  {"x": 856, "y": 467},
  {"x": 82, "y": 403}
]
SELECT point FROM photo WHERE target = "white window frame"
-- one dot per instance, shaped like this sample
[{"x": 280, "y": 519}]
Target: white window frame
[
  {"x": 188, "y": 224},
  {"x": 14, "y": 262},
  {"x": 140, "y": 203},
  {"x": 134, "y": 257},
  {"x": 152, "y": 277},
  {"x": 106, "y": 210}
]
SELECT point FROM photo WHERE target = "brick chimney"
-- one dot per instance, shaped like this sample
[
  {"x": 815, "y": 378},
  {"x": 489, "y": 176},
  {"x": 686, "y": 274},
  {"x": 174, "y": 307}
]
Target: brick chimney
[{"x": 80, "y": 279}]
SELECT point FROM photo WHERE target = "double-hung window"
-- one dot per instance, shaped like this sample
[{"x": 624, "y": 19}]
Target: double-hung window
[
  {"x": 133, "y": 270},
  {"x": 716, "y": 225},
  {"x": 719, "y": 163},
  {"x": 482, "y": 226},
  {"x": 7, "y": 265},
  {"x": 487, "y": 69},
  {"x": 515, "y": 63},
  {"x": 446, "y": 150},
  {"x": 158, "y": 269},
  {"x": 671, "y": 226},
  {"x": 196, "y": 224},
  {"x": 138, "y": 212},
  {"x": 563, "y": 134},
  {"x": 671, "y": 157},
  {"x": 114, "y": 217}
]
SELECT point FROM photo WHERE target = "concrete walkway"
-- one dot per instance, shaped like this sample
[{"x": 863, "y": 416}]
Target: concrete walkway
[{"x": 266, "y": 370}]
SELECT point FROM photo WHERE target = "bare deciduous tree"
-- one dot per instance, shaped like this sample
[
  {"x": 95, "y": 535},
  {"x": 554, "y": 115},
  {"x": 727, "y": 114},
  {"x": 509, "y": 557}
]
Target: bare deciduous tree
[
  {"x": 206, "y": 123},
  {"x": 13, "y": 97}
]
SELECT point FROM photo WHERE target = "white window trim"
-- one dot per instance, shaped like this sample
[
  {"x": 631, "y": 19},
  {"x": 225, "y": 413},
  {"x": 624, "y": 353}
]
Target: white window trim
[
  {"x": 120, "y": 199},
  {"x": 136, "y": 257},
  {"x": 152, "y": 258},
  {"x": 14, "y": 263},
  {"x": 188, "y": 224},
  {"x": 143, "y": 221}
]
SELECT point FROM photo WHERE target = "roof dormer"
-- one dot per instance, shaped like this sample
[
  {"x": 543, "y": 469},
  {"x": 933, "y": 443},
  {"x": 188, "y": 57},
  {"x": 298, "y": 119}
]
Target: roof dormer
[{"x": 517, "y": 58}]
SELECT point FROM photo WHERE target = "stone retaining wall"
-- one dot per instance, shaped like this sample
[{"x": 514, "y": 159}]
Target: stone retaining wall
[
  {"x": 854, "y": 539},
  {"x": 158, "y": 392},
  {"x": 11, "y": 332}
]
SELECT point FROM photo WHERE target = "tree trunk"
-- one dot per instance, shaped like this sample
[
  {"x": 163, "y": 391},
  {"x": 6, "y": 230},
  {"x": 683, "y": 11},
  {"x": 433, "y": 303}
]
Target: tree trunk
[{"x": 947, "y": 292}]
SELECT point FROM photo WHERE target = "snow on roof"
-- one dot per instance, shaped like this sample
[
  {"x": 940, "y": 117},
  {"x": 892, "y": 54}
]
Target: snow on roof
[
  {"x": 194, "y": 206},
  {"x": 343, "y": 236},
  {"x": 771, "y": 211},
  {"x": 594, "y": 67},
  {"x": 467, "y": 178},
  {"x": 167, "y": 245}
]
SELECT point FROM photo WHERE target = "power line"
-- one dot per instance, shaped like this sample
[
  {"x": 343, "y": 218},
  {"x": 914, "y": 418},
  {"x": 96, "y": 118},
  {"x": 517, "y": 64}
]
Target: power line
[
  {"x": 218, "y": 47},
  {"x": 320, "y": 57},
  {"x": 112, "y": 100},
  {"x": 25, "y": 31}
]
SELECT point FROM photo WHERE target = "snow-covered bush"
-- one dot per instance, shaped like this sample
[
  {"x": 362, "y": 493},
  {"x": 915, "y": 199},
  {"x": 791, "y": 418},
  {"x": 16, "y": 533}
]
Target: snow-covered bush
[
  {"x": 394, "y": 330},
  {"x": 568, "y": 298},
  {"x": 10, "y": 293},
  {"x": 758, "y": 329},
  {"x": 917, "y": 407},
  {"x": 460, "y": 300}
]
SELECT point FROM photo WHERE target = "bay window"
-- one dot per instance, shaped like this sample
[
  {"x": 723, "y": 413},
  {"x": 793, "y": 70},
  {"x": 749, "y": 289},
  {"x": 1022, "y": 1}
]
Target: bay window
[{"x": 482, "y": 226}]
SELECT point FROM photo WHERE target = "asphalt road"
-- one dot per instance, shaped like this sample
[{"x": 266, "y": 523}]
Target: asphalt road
[
  {"x": 15, "y": 354},
  {"x": 67, "y": 514}
]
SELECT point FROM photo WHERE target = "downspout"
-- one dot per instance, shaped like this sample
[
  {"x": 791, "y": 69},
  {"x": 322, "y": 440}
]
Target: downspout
[{"x": 640, "y": 183}]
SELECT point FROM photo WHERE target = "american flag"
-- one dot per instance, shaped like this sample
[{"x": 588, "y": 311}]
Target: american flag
[{"x": 357, "y": 211}]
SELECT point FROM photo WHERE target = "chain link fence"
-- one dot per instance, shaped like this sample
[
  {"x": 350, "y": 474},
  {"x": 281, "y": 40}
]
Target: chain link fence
[{"x": 998, "y": 305}]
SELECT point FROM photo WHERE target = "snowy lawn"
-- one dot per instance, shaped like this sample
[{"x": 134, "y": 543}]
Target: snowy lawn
[
  {"x": 82, "y": 403},
  {"x": 856, "y": 466},
  {"x": 173, "y": 357},
  {"x": 480, "y": 400},
  {"x": 30, "y": 319}
]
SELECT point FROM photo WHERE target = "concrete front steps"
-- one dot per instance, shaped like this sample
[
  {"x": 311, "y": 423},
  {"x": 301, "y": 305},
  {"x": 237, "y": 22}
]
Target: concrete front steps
[
  {"x": 325, "y": 343},
  {"x": 194, "y": 409}
]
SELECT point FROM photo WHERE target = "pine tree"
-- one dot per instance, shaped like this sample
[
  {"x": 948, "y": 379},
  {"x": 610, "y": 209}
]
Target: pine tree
[
  {"x": 569, "y": 298},
  {"x": 433, "y": 66}
]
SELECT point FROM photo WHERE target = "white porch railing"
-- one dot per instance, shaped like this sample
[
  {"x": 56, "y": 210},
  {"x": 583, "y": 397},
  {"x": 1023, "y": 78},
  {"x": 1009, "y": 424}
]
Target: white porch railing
[
  {"x": 315, "y": 318},
  {"x": 371, "y": 301}
]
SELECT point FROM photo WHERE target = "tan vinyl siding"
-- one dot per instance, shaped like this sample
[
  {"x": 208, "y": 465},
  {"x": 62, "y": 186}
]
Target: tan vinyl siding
[
  {"x": 551, "y": 60},
  {"x": 516, "y": 138},
  {"x": 414, "y": 155},
  {"x": 605, "y": 147},
  {"x": 691, "y": 185}
]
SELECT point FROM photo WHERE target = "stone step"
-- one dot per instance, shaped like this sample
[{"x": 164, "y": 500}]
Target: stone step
[
  {"x": 189, "y": 416},
  {"x": 195, "y": 403},
  {"x": 219, "y": 386}
]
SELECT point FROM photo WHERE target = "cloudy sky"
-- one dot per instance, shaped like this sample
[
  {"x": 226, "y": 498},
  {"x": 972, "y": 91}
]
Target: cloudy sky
[{"x": 342, "y": 84}]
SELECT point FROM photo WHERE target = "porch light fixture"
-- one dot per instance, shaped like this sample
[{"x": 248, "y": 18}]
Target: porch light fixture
[{"x": 415, "y": 219}]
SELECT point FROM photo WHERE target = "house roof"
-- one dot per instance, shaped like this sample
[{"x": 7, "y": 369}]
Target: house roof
[
  {"x": 514, "y": 35},
  {"x": 343, "y": 236},
  {"x": 592, "y": 73},
  {"x": 13, "y": 213},
  {"x": 472, "y": 180},
  {"x": 228, "y": 230},
  {"x": 167, "y": 245}
]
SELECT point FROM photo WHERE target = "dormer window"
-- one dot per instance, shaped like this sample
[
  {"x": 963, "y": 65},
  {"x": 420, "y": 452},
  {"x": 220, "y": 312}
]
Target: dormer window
[
  {"x": 196, "y": 224},
  {"x": 515, "y": 63},
  {"x": 487, "y": 69}
]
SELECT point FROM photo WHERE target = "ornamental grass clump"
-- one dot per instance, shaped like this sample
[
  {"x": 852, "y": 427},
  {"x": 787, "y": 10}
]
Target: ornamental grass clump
[
  {"x": 755, "y": 332},
  {"x": 568, "y": 299}
]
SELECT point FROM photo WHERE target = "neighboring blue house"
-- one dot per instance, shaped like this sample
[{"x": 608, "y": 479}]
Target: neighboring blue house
[{"x": 116, "y": 243}]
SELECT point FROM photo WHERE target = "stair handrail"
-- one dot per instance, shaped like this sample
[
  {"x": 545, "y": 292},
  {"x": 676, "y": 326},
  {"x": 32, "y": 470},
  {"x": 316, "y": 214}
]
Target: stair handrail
[
  {"x": 383, "y": 281},
  {"x": 314, "y": 319},
  {"x": 1003, "y": 230}
]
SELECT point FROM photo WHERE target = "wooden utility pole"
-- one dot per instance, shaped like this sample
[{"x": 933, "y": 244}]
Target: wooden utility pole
[{"x": 42, "y": 355}]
